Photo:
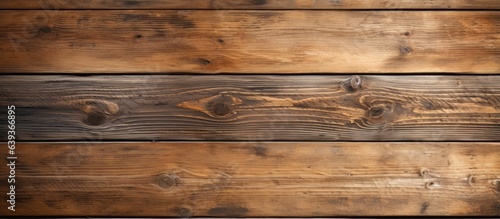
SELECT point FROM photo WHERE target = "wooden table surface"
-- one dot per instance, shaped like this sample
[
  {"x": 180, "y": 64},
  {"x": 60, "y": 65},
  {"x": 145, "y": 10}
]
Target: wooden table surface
[{"x": 249, "y": 108}]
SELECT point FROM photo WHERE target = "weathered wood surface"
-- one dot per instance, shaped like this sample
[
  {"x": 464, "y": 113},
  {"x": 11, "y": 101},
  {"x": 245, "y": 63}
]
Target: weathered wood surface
[
  {"x": 250, "y": 4},
  {"x": 242, "y": 107},
  {"x": 243, "y": 41},
  {"x": 255, "y": 179}
]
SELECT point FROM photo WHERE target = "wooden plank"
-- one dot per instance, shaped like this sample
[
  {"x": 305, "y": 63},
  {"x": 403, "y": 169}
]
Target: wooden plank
[
  {"x": 211, "y": 41},
  {"x": 251, "y": 4},
  {"x": 243, "y": 107},
  {"x": 255, "y": 179}
]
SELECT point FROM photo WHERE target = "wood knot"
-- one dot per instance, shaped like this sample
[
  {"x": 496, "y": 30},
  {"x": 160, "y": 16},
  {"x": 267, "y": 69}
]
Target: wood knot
[
  {"x": 221, "y": 109},
  {"x": 424, "y": 207},
  {"x": 432, "y": 184},
  {"x": 45, "y": 29},
  {"x": 167, "y": 180},
  {"x": 353, "y": 84},
  {"x": 424, "y": 172},
  {"x": 95, "y": 118},
  {"x": 185, "y": 212},
  {"x": 221, "y": 41},
  {"x": 471, "y": 180},
  {"x": 96, "y": 112},
  {"x": 203, "y": 61},
  {"x": 376, "y": 112},
  {"x": 219, "y": 106},
  {"x": 223, "y": 106},
  {"x": 405, "y": 50}
]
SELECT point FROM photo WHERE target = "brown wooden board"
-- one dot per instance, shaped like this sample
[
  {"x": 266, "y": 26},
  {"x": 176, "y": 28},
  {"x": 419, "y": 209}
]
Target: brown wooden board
[
  {"x": 249, "y": 41},
  {"x": 186, "y": 179},
  {"x": 251, "y": 4},
  {"x": 243, "y": 107}
]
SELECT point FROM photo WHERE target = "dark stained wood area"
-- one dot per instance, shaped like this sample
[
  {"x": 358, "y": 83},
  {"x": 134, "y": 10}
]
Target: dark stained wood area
[
  {"x": 225, "y": 107},
  {"x": 249, "y": 41},
  {"x": 251, "y": 4},
  {"x": 184, "y": 179}
]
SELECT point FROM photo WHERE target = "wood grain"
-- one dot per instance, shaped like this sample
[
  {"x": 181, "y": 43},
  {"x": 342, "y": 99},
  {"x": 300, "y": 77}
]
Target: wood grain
[
  {"x": 246, "y": 41},
  {"x": 255, "y": 179},
  {"x": 251, "y": 4},
  {"x": 244, "y": 107}
]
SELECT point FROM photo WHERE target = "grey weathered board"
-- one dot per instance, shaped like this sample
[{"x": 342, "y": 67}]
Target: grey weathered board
[{"x": 225, "y": 107}]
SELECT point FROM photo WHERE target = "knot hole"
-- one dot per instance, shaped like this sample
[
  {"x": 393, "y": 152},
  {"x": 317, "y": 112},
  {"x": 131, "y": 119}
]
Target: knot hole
[{"x": 168, "y": 180}]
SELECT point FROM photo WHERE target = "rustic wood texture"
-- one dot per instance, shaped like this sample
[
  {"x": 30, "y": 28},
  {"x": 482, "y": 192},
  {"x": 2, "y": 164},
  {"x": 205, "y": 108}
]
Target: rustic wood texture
[
  {"x": 242, "y": 107},
  {"x": 255, "y": 179},
  {"x": 251, "y": 4},
  {"x": 243, "y": 41}
]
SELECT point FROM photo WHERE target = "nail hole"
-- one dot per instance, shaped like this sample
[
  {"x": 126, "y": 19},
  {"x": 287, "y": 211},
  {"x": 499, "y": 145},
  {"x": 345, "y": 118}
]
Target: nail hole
[
  {"x": 431, "y": 184},
  {"x": 138, "y": 36},
  {"x": 221, "y": 40},
  {"x": 405, "y": 50}
]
